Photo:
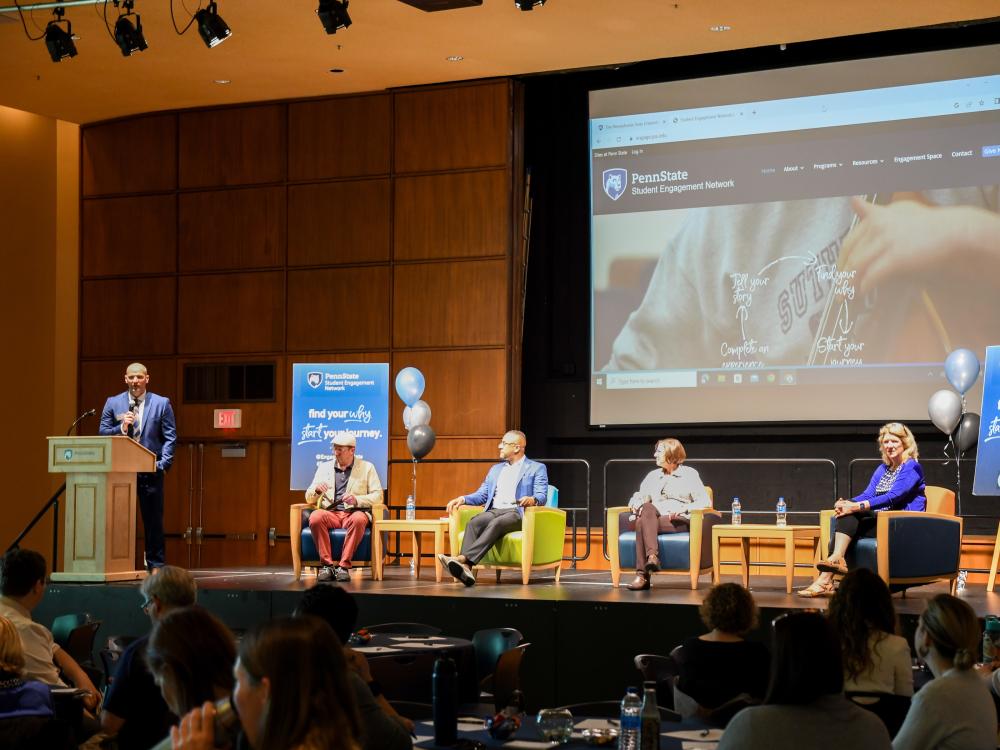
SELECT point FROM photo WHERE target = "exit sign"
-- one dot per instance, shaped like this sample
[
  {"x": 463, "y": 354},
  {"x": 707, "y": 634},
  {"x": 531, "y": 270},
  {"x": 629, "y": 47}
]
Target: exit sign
[{"x": 228, "y": 419}]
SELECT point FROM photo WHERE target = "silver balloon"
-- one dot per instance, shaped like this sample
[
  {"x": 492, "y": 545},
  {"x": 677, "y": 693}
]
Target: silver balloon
[
  {"x": 420, "y": 440},
  {"x": 420, "y": 413},
  {"x": 961, "y": 368},
  {"x": 945, "y": 410},
  {"x": 967, "y": 434}
]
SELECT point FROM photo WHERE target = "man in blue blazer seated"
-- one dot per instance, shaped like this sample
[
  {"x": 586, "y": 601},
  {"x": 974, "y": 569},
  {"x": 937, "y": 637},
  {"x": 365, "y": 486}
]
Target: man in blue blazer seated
[
  {"x": 511, "y": 486},
  {"x": 149, "y": 420}
]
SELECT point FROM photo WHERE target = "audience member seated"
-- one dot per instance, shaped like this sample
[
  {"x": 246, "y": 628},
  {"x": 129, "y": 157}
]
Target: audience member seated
[
  {"x": 381, "y": 727},
  {"x": 134, "y": 710},
  {"x": 875, "y": 658},
  {"x": 191, "y": 655},
  {"x": 289, "y": 693},
  {"x": 805, "y": 705},
  {"x": 720, "y": 665},
  {"x": 27, "y": 716},
  {"x": 954, "y": 710},
  {"x": 23, "y": 573}
]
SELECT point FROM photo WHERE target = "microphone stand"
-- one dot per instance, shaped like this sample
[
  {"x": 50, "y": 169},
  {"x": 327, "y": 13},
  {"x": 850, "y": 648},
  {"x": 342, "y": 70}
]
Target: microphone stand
[{"x": 88, "y": 413}]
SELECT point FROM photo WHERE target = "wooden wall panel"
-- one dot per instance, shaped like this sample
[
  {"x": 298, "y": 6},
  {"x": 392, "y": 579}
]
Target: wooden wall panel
[
  {"x": 261, "y": 419},
  {"x": 465, "y": 390},
  {"x": 228, "y": 313},
  {"x": 235, "y": 229},
  {"x": 341, "y": 137},
  {"x": 345, "y": 357},
  {"x": 238, "y": 146},
  {"x": 475, "y": 132},
  {"x": 127, "y": 317},
  {"x": 130, "y": 156},
  {"x": 338, "y": 222},
  {"x": 281, "y": 497},
  {"x": 452, "y": 216},
  {"x": 439, "y": 483},
  {"x": 129, "y": 236},
  {"x": 103, "y": 378},
  {"x": 338, "y": 308},
  {"x": 450, "y": 304}
]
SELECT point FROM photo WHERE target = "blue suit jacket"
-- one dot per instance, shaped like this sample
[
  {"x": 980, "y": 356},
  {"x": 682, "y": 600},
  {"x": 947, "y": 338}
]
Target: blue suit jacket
[
  {"x": 533, "y": 480},
  {"x": 159, "y": 431}
]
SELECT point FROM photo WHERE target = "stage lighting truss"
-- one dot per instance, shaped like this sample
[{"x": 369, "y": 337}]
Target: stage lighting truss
[
  {"x": 129, "y": 38},
  {"x": 333, "y": 15},
  {"x": 212, "y": 29},
  {"x": 528, "y": 4},
  {"x": 59, "y": 41}
]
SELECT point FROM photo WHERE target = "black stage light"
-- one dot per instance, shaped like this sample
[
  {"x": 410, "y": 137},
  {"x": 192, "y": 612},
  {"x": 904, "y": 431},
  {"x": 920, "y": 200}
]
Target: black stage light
[
  {"x": 527, "y": 4},
  {"x": 212, "y": 28},
  {"x": 129, "y": 38},
  {"x": 333, "y": 15},
  {"x": 60, "y": 43}
]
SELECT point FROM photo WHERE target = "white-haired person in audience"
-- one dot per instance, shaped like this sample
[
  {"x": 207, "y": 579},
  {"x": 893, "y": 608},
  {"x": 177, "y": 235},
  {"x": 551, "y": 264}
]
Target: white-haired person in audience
[
  {"x": 290, "y": 694},
  {"x": 805, "y": 705},
  {"x": 954, "y": 711},
  {"x": 875, "y": 658},
  {"x": 134, "y": 709}
]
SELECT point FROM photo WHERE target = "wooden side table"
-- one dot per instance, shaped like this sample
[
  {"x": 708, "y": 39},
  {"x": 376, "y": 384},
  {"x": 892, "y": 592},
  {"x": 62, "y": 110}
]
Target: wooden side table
[
  {"x": 415, "y": 527},
  {"x": 747, "y": 531}
]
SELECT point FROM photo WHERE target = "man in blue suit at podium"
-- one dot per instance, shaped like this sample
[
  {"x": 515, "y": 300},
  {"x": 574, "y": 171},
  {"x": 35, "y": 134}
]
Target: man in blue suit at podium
[
  {"x": 149, "y": 420},
  {"x": 510, "y": 486}
]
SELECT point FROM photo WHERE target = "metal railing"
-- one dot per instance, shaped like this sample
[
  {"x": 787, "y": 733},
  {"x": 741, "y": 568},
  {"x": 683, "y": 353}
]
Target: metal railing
[
  {"x": 54, "y": 504},
  {"x": 716, "y": 461}
]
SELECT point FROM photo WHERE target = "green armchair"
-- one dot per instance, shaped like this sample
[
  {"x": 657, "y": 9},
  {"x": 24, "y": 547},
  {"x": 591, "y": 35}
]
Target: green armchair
[{"x": 537, "y": 546}]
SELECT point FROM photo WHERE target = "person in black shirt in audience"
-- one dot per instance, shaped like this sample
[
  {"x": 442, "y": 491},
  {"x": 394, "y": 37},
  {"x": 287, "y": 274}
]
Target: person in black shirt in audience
[
  {"x": 720, "y": 665},
  {"x": 134, "y": 710},
  {"x": 381, "y": 727}
]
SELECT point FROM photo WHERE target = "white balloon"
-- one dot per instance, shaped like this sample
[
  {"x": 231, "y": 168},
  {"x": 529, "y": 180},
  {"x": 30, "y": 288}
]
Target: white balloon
[
  {"x": 945, "y": 410},
  {"x": 420, "y": 413},
  {"x": 407, "y": 417}
]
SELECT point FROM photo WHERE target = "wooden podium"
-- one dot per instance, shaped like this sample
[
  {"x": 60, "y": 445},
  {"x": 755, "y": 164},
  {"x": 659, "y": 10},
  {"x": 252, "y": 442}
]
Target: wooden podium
[{"x": 100, "y": 505}]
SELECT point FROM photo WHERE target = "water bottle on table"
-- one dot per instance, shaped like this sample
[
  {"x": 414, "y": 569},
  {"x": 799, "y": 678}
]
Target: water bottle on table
[
  {"x": 649, "y": 733},
  {"x": 781, "y": 511},
  {"x": 411, "y": 508},
  {"x": 631, "y": 720},
  {"x": 737, "y": 512}
]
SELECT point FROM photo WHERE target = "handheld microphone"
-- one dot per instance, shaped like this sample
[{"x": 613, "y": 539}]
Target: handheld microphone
[
  {"x": 133, "y": 407},
  {"x": 88, "y": 413}
]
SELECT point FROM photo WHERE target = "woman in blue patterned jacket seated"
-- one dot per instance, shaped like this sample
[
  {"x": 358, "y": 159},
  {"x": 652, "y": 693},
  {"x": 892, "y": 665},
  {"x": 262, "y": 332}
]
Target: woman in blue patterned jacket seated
[{"x": 897, "y": 484}]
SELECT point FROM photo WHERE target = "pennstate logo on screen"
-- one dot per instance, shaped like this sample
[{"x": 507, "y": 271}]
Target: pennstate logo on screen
[
  {"x": 614, "y": 182},
  {"x": 314, "y": 379}
]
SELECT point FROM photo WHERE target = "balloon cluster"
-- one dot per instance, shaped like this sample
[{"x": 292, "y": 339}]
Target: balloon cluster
[
  {"x": 947, "y": 408},
  {"x": 420, "y": 436}
]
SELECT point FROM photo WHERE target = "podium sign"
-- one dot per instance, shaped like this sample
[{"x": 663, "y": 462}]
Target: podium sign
[{"x": 100, "y": 516}]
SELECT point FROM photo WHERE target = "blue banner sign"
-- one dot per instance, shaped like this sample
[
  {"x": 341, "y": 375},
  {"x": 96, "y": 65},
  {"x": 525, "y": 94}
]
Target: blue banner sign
[
  {"x": 988, "y": 455},
  {"x": 328, "y": 398}
]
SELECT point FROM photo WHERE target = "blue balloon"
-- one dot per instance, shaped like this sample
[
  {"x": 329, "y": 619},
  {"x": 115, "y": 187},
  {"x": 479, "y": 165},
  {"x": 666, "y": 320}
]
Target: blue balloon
[
  {"x": 410, "y": 385},
  {"x": 961, "y": 368}
]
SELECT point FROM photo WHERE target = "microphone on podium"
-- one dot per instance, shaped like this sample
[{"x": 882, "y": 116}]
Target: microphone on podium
[{"x": 88, "y": 413}]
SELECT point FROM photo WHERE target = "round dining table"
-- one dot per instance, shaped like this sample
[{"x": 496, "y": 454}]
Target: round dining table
[{"x": 403, "y": 664}]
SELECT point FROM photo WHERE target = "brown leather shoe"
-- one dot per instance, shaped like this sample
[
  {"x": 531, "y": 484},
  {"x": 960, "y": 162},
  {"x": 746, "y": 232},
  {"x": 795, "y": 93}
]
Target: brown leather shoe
[
  {"x": 639, "y": 583},
  {"x": 652, "y": 564}
]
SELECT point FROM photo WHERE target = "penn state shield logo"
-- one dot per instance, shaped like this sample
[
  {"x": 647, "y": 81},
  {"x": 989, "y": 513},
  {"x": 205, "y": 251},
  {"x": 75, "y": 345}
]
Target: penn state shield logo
[
  {"x": 68, "y": 454},
  {"x": 614, "y": 182},
  {"x": 314, "y": 379}
]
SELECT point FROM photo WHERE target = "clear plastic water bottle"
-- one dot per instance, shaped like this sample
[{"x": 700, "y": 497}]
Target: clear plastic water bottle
[
  {"x": 781, "y": 510},
  {"x": 631, "y": 720},
  {"x": 737, "y": 512},
  {"x": 411, "y": 508}
]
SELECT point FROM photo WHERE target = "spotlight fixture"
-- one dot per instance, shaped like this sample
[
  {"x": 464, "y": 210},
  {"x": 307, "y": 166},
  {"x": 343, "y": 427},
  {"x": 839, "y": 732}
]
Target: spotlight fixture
[
  {"x": 59, "y": 42},
  {"x": 333, "y": 15},
  {"x": 211, "y": 27},
  {"x": 527, "y": 4},
  {"x": 129, "y": 38}
]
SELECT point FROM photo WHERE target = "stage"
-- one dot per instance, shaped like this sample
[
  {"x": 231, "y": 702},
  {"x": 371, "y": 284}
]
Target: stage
[{"x": 583, "y": 632}]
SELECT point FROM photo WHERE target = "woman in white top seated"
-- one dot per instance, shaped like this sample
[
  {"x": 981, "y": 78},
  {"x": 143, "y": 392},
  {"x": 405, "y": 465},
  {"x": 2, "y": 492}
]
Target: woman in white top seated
[
  {"x": 954, "y": 711},
  {"x": 663, "y": 505},
  {"x": 875, "y": 658}
]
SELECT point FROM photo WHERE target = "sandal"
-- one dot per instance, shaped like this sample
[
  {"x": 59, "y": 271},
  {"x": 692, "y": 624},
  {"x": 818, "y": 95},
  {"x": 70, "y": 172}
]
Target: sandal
[
  {"x": 817, "y": 589},
  {"x": 830, "y": 566}
]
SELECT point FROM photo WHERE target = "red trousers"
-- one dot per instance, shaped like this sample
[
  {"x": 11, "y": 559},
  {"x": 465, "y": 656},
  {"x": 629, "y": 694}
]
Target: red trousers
[{"x": 320, "y": 523}]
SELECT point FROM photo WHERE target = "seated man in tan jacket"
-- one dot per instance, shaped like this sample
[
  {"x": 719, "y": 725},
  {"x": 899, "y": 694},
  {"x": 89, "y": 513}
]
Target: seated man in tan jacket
[{"x": 342, "y": 491}]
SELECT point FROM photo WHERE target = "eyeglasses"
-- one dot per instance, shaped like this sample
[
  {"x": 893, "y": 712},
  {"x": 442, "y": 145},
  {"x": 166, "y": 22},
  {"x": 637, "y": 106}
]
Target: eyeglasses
[
  {"x": 508, "y": 442},
  {"x": 146, "y": 604}
]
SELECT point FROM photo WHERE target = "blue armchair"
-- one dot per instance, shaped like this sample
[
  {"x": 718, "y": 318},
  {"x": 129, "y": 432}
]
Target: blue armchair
[
  {"x": 687, "y": 553},
  {"x": 910, "y": 548},
  {"x": 304, "y": 550}
]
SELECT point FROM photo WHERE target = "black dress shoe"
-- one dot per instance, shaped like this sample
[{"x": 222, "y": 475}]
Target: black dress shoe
[
  {"x": 639, "y": 583},
  {"x": 652, "y": 564}
]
